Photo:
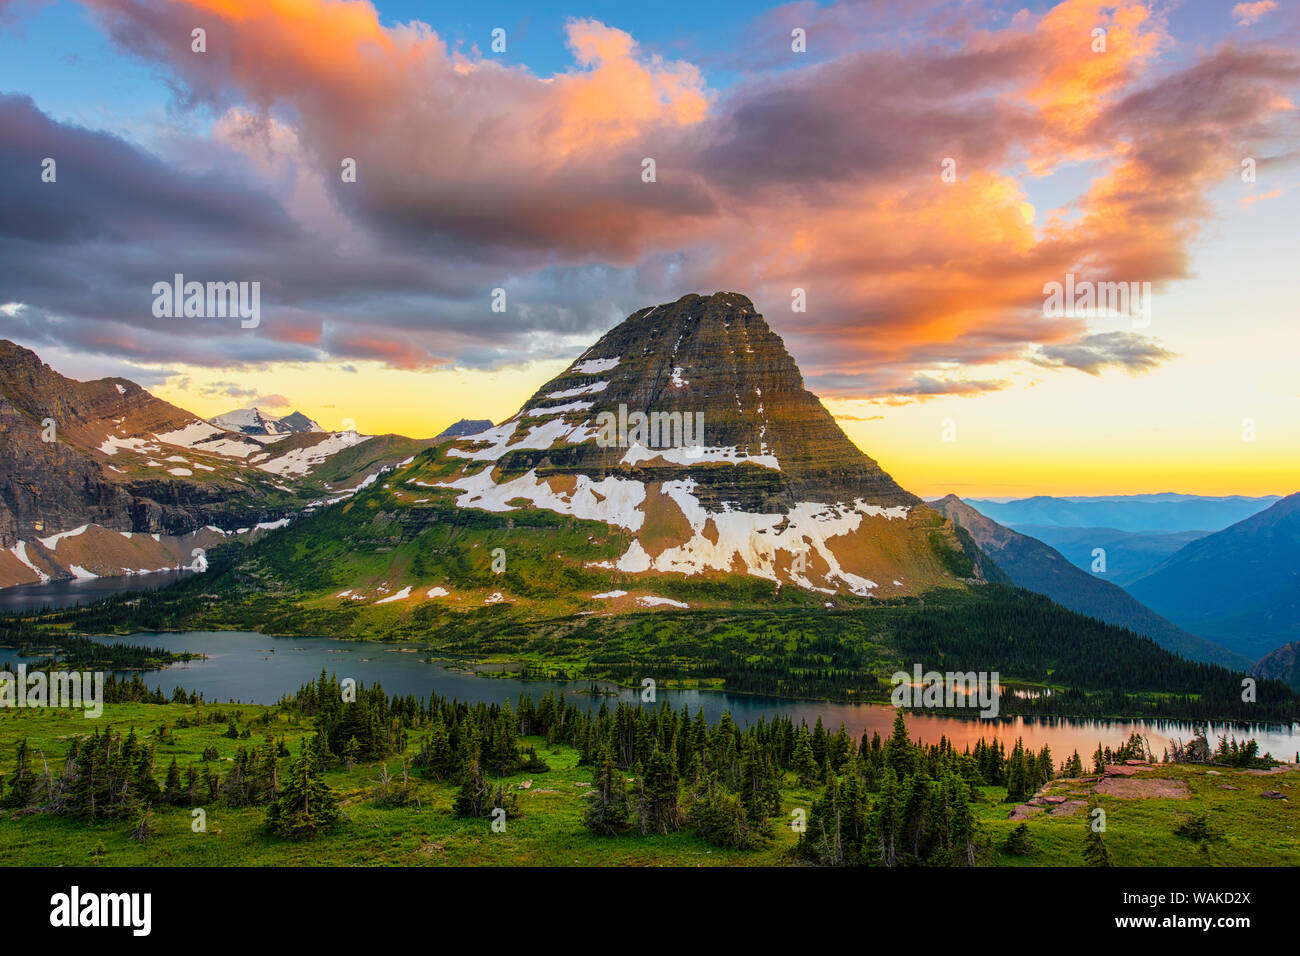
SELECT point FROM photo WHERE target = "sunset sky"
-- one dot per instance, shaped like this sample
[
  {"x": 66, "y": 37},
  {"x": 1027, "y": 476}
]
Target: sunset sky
[{"x": 775, "y": 170}]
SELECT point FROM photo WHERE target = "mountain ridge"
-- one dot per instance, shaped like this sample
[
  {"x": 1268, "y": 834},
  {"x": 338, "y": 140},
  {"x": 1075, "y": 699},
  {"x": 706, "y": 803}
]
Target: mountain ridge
[
  {"x": 1038, "y": 567},
  {"x": 108, "y": 456},
  {"x": 1239, "y": 586},
  {"x": 1167, "y": 511},
  {"x": 253, "y": 421},
  {"x": 762, "y": 491}
]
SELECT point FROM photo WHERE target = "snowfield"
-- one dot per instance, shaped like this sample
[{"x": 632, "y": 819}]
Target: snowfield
[
  {"x": 300, "y": 461},
  {"x": 594, "y": 366}
]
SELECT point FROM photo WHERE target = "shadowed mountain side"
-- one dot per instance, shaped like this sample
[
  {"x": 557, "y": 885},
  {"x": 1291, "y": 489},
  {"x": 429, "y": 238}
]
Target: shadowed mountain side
[
  {"x": 1037, "y": 567},
  {"x": 1239, "y": 586}
]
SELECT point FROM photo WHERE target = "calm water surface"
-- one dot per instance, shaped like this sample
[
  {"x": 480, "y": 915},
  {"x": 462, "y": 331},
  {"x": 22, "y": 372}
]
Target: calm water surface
[
  {"x": 252, "y": 668},
  {"x": 58, "y": 594}
]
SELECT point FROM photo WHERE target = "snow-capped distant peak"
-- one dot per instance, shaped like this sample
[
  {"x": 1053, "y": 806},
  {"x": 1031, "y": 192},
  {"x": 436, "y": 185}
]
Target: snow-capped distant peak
[
  {"x": 253, "y": 421},
  {"x": 250, "y": 421}
]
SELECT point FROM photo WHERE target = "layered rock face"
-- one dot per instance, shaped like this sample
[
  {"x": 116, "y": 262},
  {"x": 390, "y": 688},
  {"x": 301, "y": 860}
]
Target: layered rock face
[
  {"x": 51, "y": 486},
  {"x": 772, "y": 487},
  {"x": 108, "y": 456}
]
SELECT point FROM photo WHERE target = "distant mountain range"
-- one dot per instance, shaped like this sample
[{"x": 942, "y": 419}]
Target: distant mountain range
[
  {"x": 1128, "y": 554},
  {"x": 466, "y": 426},
  {"x": 1038, "y": 567},
  {"x": 1166, "y": 512},
  {"x": 1239, "y": 587},
  {"x": 678, "y": 465},
  {"x": 763, "y": 497},
  {"x": 253, "y": 421},
  {"x": 102, "y": 478}
]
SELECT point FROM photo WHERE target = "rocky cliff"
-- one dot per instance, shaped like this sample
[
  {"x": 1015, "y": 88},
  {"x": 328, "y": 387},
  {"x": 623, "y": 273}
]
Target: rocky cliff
[
  {"x": 689, "y": 426},
  {"x": 109, "y": 455}
]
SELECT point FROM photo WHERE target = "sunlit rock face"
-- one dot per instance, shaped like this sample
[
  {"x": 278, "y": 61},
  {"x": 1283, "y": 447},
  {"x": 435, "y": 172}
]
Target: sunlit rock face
[{"x": 688, "y": 426}]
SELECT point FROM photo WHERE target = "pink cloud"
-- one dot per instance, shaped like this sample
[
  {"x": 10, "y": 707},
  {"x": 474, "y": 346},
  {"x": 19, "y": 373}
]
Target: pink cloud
[{"x": 825, "y": 178}]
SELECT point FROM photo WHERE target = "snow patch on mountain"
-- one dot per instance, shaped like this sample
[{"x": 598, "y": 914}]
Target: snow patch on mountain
[
  {"x": 591, "y": 389},
  {"x": 559, "y": 409},
  {"x": 53, "y": 540},
  {"x": 697, "y": 454},
  {"x": 649, "y": 600},
  {"x": 19, "y": 551},
  {"x": 594, "y": 366},
  {"x": 539, "y": 437},
  {"x": 613, "y": 500},
  {"x": 299, "y": 461}
]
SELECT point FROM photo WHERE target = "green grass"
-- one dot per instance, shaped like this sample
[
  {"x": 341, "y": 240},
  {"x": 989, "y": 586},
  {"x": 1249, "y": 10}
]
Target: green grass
[
  {"x": 1253, "y": 831},
  {"x": 549, "y": 829}
]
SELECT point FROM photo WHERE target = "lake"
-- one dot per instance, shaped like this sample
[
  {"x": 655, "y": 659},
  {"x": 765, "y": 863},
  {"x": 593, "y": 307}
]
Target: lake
[
  {"x": 57, "y": 594},
  {"x": 252, "y": 668}
]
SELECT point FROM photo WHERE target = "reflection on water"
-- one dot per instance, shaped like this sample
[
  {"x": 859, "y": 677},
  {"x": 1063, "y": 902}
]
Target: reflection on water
[
  {"x": 252, "y": 668},
  {"x": 58, "y": 594}
]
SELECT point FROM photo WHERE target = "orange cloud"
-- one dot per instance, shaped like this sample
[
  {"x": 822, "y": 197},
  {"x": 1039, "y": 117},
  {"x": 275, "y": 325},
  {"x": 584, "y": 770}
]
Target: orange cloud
[
  {"x": 825, "y": 178},
  {"x": 1248, "y": 13}
]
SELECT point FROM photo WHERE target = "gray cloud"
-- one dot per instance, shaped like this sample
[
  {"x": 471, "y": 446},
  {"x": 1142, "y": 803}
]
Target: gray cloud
[{"x": 1092, "y": 353}]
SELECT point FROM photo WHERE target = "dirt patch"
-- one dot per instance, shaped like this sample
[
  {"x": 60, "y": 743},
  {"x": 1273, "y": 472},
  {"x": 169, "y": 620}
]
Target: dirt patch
[
  {"x": 1160, "y": 789},
  {"x": 1126, "y": 770},
  {"x": 1024, "y": 812},
  {"x": 1069, "y": 808}
]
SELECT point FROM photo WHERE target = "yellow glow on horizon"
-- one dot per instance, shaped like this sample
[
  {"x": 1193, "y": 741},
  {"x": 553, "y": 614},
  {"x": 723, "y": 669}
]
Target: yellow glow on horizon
[{"x": 379, "y": 400}]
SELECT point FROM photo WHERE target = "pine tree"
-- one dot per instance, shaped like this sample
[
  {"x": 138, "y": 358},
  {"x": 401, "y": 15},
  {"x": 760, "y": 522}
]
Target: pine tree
[
  {"x": 1020, "y": 842},
  {"x": 306, "y": 805},
  {"x": 608, "y": 811},
  {"x": 474, "y": 797},
  {"x": 172, "y": 791},
  {"x": 962, "y": 827},
  {"x": 23, "y": 783},
  {"x": 805, "y": 763},
  {"x": 898, "y": 749},
  {"x": 1094, "y": 849},
  {"x": 657, "y": 806}
]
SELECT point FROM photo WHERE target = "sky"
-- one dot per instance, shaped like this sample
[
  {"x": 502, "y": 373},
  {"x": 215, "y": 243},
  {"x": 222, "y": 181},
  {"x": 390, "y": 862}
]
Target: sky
[{"x": 921, "y": 171}]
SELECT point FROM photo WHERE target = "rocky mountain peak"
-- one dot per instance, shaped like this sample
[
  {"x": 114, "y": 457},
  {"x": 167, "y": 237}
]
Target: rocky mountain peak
[
  {"x": 692, "y": 417},
  {"x": 713, "y": 361}
]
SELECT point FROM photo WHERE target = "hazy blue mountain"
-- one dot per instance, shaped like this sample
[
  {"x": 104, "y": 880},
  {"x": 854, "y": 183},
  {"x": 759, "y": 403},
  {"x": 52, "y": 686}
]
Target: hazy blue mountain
[
  {"x": 1129, "y": 554},
  {"x": 1162, "y": 512},
  {"x": 1239, "y": 587},
  {"x": 1038, "y": 567}
]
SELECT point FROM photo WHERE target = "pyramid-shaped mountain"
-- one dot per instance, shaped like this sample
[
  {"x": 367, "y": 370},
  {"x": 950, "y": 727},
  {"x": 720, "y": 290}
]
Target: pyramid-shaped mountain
[{"x": 689, "y": 428}]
